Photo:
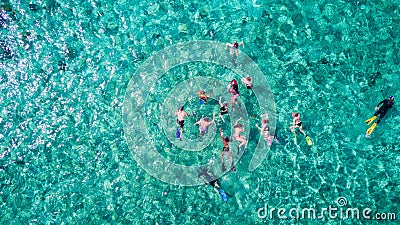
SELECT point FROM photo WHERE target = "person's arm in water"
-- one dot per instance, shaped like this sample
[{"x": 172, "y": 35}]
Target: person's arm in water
[
  {"x": 198, "y": 122},
  {"x": 191, "y": 114},
  {"x": 258, "y": 127},
  {"x": 241, "y": 43},
  {"x": 238, "y": 120},
  {"x": 377, "y": 106},
  {"x": 212, "y": 121},
  {"x": 220, "y": 102},
  {"x": 294, "y": 121},
  {"x": 383, "y": 101}
]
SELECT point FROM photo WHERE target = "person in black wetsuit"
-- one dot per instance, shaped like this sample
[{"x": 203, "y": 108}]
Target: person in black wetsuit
[
  {"x": 381, "y": 111},
  {"x": 386, "y": 105}
]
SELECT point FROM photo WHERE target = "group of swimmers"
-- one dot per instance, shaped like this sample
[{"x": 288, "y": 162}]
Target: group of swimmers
[
  {"x": 233, "y": 89},
  {"x": 204, "y": 123}
]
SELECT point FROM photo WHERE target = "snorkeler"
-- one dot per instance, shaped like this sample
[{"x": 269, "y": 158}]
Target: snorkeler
[
  {"x": 234, "y": 84},
  {"x": 248, "y": 81},
  {"x": 234, "y": 90},
  {"x": 237, "y": 129},
  {"x": 234, "y": 47},
  {"x": 180, "y": 121},
  {"x": 204, "y": 124},
  {"x": 386, "y": 105},
  {"x": 203, "y": 97},
  {"x": 264, "y": 130},
  {"x": 225, "y": 149},
  {"x": 298, "y": 124},
  {"x": 223, "y": 109},
  {"x": 209, "y": 179}
]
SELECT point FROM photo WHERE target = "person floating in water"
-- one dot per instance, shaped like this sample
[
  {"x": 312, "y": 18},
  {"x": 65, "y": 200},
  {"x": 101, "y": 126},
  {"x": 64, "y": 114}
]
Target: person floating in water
[
  {"x": 381, "y": 111},
  {"x": 180, "y": 121},
  {"x": 237, "y": 129},
  {"x": 208, "y": 177},
  {"x": 225, "y": 149},
  {"x": 204, "y": 124},
  {"x": 234, "y": 85},
  {"x": 298, "y": 124},
  {"x": 203, "y": 97},
  {"x": 234, "y": 47},
  {"x": 223, "y": 109},
  {"x": 233, "y": 88},
  {"x": 264, "y": 130},
  {"x": 248, "y": 81}
]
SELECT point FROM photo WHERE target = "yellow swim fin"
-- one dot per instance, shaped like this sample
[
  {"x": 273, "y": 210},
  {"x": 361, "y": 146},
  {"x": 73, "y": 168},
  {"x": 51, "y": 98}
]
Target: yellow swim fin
[
  {"x": 371, "y": 129},
  {"x": 308, "y": 140},
  {"x": 368, "y": 121}
]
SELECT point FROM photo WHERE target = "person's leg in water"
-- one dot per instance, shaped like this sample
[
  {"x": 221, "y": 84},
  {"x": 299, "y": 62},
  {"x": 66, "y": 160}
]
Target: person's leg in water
[
  {"x": 201, "y": 131},
  {"x": 292, "y": 128},
  {"x": 181, "y": 123},
  {"x": 275, "y": 136},
  {"x": 233, "y": 99},
  {"x": 216, "y": 187},
  {"x": 242, "y": 140},
  {"x": 222, "y": 118},
  {"x": 381, "y": 115},
  {"x": 234, "y": 58},
  {"x": 302, "y": 131},
  {"x": 222, "y": 159},
  {"x": 231, "y": 158}
]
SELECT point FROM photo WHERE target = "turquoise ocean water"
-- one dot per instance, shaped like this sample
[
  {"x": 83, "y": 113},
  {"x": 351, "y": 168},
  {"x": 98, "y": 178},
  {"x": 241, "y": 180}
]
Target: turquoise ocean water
[{"x": 65, "y": 67}]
